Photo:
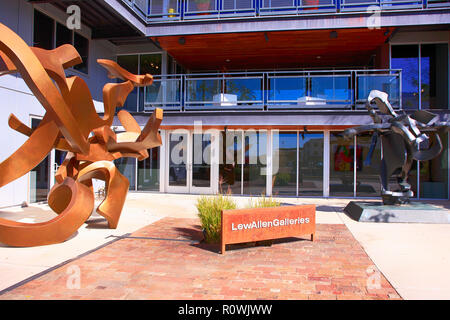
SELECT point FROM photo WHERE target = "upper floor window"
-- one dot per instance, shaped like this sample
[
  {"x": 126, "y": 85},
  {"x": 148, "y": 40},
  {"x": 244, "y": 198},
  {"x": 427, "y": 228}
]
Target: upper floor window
[
  {"x": 140, "y": 64},
  {"x": 49, "y": 34},
  {"x": 425, "y": 75}
]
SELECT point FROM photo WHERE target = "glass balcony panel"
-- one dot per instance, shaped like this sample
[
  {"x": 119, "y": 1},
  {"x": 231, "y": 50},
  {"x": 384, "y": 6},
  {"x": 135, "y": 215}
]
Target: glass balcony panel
[
  {"x": 400, "y": 4},
  {"x": 244, "y": 90},
  {"x": 331, "y": 90},
  {"x": 278, "y": 6},
  {"x": 202, "y": 92},
  {"x": 315, "y": 4},
  {"x": 230, "y": 5},
  {"x": 142, "y": 5},
  {"x": 200, "y": 6},
  {"x": 386, "y": 83},
  {"x": 163, "y": 8},
  {"x": 345, "y": 3},
  {"x": 163, "y": 93},
  {"x": 286, "y": 90}
]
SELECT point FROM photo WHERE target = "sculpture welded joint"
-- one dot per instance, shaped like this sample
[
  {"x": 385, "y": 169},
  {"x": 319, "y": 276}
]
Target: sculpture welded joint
[
  {"x": 72, "y": 124},
  {"x": 404, "y": 138}
]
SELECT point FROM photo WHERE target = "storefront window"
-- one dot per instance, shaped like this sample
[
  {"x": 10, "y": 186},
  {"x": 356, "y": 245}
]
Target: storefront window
[
  {"x": 230, "y": 166},
  {"x": 39, "y": 176},
  {"x": 255, "y": 163},
  {"x": 178, "y": 160},
  {"x": 284, "y": 168},
  {"x": 368, "y": 167},
  {"x": 434, "y": 173},
  {"x": 148, "y": 171},
  {"x": 127, "y": 166},
  {"x": 342, "y": 165},
  {"x": 310, "y": 179}
]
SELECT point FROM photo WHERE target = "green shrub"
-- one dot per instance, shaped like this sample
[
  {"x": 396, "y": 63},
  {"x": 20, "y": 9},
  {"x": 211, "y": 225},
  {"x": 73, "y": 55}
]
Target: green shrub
[
  {"x": 264, "y": 202},
  {"x": 209, "y": 209}
]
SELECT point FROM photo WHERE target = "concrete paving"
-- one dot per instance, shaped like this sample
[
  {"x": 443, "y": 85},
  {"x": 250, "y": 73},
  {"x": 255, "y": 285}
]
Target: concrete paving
[{"x": 414, "y": 258}]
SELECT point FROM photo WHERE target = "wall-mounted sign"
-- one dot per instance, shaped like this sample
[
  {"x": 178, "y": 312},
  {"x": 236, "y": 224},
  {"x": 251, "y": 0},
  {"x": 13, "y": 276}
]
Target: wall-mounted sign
[{"x": 249, "y": 225}]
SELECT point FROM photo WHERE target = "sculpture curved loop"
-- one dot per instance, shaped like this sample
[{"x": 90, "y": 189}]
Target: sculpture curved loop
[
  {"x": 116, "y": 186},
  {"x": 72, "y": 200}
]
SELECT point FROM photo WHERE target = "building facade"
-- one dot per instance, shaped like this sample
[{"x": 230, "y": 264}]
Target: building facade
[{"x": 256, "y": 93}]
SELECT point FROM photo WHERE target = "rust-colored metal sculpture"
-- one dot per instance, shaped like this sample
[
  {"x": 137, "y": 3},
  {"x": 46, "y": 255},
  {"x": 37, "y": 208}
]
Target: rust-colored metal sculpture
[{"x": 72, "y": 124}]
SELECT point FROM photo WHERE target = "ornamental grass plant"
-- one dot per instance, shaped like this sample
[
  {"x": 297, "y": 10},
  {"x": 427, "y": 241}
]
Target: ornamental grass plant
[
  {"x": 263, "y": 202},
  {"x": 209, "y": 211}
]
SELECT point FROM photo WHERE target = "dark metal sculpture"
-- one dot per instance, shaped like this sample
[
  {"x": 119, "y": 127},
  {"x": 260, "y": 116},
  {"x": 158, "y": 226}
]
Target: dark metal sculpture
[
  {"x": 404, "y": 138},
  {"x": 71, "y": 124}
]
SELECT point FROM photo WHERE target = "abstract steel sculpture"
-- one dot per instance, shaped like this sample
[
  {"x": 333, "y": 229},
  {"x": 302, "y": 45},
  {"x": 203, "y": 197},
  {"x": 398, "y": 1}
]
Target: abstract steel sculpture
[
  {"x": 404, "y": 138},
  {"x": 72, "y": 124}
]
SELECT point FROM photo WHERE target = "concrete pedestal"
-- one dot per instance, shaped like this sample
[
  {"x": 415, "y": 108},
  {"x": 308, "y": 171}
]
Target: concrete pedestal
[{"x": 414, "y": 212}]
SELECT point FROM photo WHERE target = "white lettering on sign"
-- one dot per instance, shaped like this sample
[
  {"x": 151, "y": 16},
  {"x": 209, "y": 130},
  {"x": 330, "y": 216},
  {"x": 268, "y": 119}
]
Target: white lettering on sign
[{"x": 269, "y": 224}]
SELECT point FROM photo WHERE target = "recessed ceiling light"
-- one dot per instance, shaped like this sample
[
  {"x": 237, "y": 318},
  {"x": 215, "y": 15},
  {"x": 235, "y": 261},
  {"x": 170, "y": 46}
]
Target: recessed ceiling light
[
  {"x": 318, "y": 57},
  {"x": 228, "y": 60}
]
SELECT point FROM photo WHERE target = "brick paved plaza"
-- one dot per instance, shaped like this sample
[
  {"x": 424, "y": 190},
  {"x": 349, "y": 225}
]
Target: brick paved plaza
[{"x": 165, "y": 260}]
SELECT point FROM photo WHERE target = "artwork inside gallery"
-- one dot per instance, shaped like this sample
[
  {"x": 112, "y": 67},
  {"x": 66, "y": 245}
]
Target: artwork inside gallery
[{"x": 71, "y": 124}]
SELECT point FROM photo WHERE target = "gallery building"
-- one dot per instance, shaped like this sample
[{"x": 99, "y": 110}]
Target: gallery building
[{"x": 256, "y": 93}]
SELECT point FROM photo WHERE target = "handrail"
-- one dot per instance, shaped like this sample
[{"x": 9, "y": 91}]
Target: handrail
[
  {"x": 155, "y": 11},
  {"x": 270, "y": 90}
]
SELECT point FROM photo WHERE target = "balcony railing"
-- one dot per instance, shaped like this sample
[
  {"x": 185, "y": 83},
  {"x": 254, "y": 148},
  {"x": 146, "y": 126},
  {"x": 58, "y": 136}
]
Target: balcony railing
[
  {"x": 295, "y": 90},
  {"x": 153, "y": 11}
]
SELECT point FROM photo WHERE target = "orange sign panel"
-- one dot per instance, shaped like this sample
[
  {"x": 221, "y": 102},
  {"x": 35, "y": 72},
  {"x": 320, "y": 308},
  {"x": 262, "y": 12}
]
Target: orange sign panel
[{"x": 249, "y": 225}]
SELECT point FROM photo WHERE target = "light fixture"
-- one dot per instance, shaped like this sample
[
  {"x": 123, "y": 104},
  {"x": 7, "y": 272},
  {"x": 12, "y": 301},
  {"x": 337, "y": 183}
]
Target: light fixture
[
  {"x": 318, "y": 57},
  {"x": 228, "y": 60}
]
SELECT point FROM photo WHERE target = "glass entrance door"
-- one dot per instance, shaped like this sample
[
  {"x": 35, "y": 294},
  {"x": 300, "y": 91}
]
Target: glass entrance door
[{"x": 191, "y": 167}]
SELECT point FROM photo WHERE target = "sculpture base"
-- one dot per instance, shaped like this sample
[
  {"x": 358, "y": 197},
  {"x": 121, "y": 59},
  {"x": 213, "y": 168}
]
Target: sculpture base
[{"x": 414, "y": 212}]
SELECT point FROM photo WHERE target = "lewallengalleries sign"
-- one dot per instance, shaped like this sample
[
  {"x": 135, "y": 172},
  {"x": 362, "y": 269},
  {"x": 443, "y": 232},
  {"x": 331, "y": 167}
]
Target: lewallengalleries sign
[{"x": 260, "y": 224}]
